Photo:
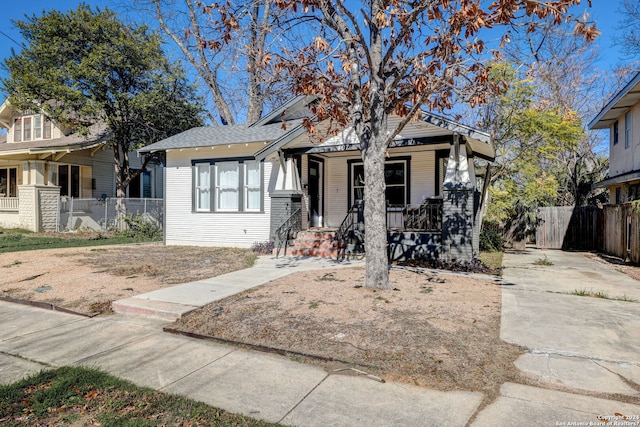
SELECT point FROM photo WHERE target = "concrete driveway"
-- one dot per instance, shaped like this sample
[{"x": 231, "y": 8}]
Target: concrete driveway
[{"x": 582, "y": 345}]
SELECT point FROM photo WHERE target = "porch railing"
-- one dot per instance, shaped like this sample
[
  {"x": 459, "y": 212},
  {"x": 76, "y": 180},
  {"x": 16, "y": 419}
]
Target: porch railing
[
  {"x": 288, "y": 231},
  {"x": 424, "y": 217},
  {"x": 350, "y": 234},
  {"x": 9, "y": 203}
]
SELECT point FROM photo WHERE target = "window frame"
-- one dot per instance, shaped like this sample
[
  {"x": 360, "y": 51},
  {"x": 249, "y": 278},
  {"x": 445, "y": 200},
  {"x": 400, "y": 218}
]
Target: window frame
[
  {"x": 241, "y": 187},
  {"x": 615, "y": 132},
  {"x": 10, "y": 187},
  {"x": 405, "y": 160},
  {"x": 73, "y": 180},
  {"x": 627, "y": 129},
  {"x": 39, "y": 128}
]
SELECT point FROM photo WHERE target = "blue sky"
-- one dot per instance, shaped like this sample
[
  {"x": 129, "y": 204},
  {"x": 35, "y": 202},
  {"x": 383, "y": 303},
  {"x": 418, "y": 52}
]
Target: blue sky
[{"x": 606, "y": 14}]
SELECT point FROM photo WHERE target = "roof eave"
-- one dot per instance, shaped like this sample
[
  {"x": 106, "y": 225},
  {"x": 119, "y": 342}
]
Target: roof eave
[{"x": 596, "y": 122}]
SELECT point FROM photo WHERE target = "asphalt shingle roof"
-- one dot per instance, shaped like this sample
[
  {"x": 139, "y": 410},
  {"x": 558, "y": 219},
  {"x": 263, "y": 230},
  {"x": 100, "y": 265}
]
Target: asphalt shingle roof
[{"x": 208, "y": 136}]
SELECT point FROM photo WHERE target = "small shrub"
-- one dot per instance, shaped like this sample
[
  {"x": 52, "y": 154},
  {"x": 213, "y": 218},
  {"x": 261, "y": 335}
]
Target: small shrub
[
  {"x": 141, "y": 227},
  {"x": 491, "y": 239},
  {"x": 263, "y": 248},
  {"x": 543, "y": 261}
]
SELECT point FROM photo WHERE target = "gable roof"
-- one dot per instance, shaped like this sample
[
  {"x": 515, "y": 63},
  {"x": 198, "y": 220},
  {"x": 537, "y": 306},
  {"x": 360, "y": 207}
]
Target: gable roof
[
  {"x": 430, "y": 125},
  {"x": 208, "y": 136},
  {"x": 618, "y": 104}
]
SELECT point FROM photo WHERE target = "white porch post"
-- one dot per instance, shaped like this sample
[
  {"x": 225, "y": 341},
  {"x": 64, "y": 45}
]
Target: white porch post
[
  {"x": 458, "y": 205},
  {"x": 286, "y": 196}
]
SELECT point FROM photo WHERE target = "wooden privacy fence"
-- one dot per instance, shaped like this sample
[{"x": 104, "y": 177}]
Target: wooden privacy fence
[
  {"x": 614, "y": 230},
  {"x": 569, "y": 227},
  {"x": 622, "y": 231}
]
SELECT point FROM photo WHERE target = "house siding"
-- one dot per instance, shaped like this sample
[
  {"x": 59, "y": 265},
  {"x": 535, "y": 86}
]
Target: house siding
[
  {"x": 336, "y": 180},
  {"x": 621, "y": 159},
  {"x": 185, "y": 227}
]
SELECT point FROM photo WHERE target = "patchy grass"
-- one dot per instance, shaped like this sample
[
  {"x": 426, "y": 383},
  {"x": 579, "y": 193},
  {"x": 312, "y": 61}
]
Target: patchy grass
[
  {"x": 493, "y": 260},
  {"x": 170, "y": 264},
  {"x": 15, "y": 240},
  {"x": 83, "y": 396},
  {"x": 599, "y": 294}
]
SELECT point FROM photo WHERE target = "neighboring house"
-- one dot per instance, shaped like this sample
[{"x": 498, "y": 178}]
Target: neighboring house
[
  {"x": 621, "y": 116},
  {"x": 41, "y": 161},
  {"x": 236, "y": 185}
]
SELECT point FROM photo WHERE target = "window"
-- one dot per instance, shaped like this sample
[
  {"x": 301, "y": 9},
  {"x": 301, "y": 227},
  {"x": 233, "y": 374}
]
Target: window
[
  {"x": 395, "y": 177},
  {"x": 17, "y": 130},
  {"x": 252, "y": 187},
  {"x": 29, "y": 128},
  {"x": 68, "y": 178},
  {"x": 203, "y": 188},
  {"x": 8, "y": 182},
  {"x": 227, "y": 183},
  {"x": 615, "y": 132},
  {"x": 228, "y": 186},
  {"x": 627, "y": 129},
  {"x": 618, "y": 196}
]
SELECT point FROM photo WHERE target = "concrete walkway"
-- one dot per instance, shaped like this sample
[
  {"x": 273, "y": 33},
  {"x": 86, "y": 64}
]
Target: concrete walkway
[
  {"x": 583, "y": 344},
  {"x": 173, "y": 302}
]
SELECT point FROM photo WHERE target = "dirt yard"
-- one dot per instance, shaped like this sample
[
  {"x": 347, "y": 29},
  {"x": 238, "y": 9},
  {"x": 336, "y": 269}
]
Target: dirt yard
[
  {"x": 434, "y": 330},
  {"x": 87, "y": 280}
]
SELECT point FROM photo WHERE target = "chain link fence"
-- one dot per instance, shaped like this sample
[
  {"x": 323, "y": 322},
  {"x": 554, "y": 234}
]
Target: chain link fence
[{"x": 102, "y": 214}]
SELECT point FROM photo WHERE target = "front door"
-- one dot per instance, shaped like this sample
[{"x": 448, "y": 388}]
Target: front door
[{"x": 316, "y": 172}]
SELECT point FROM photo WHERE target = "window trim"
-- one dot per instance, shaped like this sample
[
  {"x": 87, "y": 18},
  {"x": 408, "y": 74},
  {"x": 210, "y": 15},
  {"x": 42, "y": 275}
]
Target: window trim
[
  {"x": 615, "y": 132},
  {"x": 407, "y": 176},
  {"x": 627, "y": 129},
  {"x": 242, "y": 192},
  {"x": 9, "y": 183},
  {"x": 42, "y": 132}
]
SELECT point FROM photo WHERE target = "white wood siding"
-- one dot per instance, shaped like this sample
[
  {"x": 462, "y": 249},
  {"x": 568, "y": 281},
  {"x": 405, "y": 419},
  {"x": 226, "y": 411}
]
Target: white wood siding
[
  {"x": 422, "y": 180},
  {"x": 185, "y": 227}
]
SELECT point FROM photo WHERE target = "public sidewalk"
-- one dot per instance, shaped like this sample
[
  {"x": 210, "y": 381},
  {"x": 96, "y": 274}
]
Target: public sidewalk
[{"x": 276, "y": 389}]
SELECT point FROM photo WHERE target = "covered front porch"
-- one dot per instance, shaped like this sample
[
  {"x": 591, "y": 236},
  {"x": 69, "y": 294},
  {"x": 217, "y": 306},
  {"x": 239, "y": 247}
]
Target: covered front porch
[{"x": 434, "y": 191}]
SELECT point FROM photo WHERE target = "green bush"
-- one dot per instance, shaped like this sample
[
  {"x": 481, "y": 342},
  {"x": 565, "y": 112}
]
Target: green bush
[
  {"x": 141, "y": 227},
  {"x": 491, "y": 238}
]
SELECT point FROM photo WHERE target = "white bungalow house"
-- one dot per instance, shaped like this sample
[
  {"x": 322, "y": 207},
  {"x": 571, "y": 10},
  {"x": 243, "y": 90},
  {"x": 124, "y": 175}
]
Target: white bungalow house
[
  {"x": 621, "y": 115},
  {"x": 41, "y": 161},
  {"x": 237, "y": 185}
]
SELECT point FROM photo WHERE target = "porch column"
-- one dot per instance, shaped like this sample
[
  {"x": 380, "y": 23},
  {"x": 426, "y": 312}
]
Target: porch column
[
  {"x": 286, "y": 197},
  {"x": 34, "y": 172},
  {"x": 38, "y": 207},
  {"x": 458, "y": 205}
]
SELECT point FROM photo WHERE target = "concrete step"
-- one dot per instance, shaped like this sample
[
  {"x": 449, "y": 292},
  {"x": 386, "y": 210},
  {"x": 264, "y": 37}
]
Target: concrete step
[
  {"x": 316, "y": 252},
  {"x": 140, "y": 307}
]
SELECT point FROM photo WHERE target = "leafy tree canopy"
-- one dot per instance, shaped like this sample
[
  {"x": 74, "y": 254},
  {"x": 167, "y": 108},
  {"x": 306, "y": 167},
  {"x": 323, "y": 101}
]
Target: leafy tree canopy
[
  {"x": 529, "y": 135},
  {"x": 85, "y": 67}
]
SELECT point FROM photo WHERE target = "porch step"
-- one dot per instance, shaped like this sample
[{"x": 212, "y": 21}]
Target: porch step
[{"x": 318, "y": 243}]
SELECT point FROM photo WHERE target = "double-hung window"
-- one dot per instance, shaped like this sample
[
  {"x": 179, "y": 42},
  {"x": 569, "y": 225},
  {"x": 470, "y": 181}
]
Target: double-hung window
[
  {"x": 202, "y": 187},
  {"x": 227, "y": 183},
  {"x": 627, "y": 129},
  {"x": 228, "y": 186}
]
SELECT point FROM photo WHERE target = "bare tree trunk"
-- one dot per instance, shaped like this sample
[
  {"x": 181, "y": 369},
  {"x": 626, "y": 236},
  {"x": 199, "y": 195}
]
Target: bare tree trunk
[
  {"x": 374, "y": 155},
  {"x": 121, "y": 168},
  {"x": 375, "y": 214}
]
